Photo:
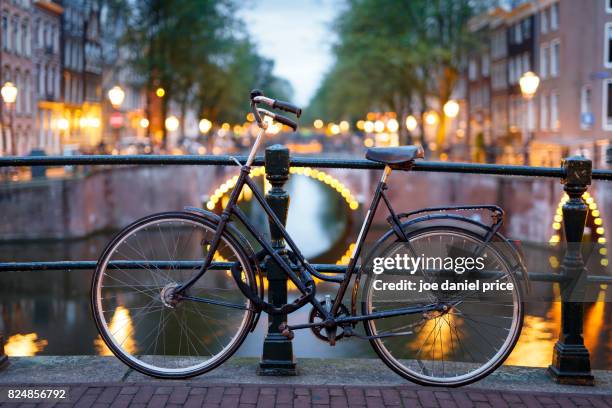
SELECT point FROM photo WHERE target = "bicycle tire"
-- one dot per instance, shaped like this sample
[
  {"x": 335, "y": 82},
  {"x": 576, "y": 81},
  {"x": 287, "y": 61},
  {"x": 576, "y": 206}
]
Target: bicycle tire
[
  {"x": 235, "y": 242},
  {"x": 412, "y": 375}
]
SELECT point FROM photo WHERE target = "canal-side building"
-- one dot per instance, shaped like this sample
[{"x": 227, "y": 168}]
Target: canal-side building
[
  {"x": 47, "y": 75},
  {"x": 91, "y": 124},
  {"x": 81, "y": 77},
  {"x": 568, "y": 44},
  {"x": 575, "y": 67},
  {"x": 521, "y": 56},
  {"x": 16, "y": 67},
  {"x": 478, "y": 90}
]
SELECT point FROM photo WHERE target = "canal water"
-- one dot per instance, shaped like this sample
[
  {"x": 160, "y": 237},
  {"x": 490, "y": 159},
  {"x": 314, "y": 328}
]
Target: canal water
[{"x": 47, "y": 312}]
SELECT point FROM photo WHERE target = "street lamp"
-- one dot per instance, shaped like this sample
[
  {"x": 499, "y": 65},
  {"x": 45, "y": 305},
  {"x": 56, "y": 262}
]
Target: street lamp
[
  {"x": 528, "y": 83},
  {"x": 411, "y": 123},
  {"x": 172, "y": 123},
  {"x": 116, "y": 95},
  {"x": 392, "y": 125},
  {"x": 205, "y": 125},
  {"x": 431, "y": 118},
  {"x": 9, "y": 94},
  {"x": 451, "y": 109}
]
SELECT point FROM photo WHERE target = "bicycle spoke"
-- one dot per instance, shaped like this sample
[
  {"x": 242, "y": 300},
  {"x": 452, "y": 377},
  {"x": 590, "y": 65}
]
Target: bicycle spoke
[
  {"x": 175, "y": 336},
  {"x": 453, "y": 345}
]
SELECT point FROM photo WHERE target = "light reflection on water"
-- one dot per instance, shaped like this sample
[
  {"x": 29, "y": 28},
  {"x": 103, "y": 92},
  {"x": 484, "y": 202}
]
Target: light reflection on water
[
  {"x": 24, "y": 345},
  {"x": 48, "y": 312},
  {"x": 123, "y": 331}
]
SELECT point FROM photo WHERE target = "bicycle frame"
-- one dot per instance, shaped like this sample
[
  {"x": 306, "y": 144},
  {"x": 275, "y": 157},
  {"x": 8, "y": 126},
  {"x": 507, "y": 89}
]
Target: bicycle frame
[{"x": 232, "y": 209}]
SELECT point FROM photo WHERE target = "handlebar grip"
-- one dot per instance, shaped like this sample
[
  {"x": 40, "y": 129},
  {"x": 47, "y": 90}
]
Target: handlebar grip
[
  {"x": 286, "y": 121},
  {"x": 287, "y": 107}
]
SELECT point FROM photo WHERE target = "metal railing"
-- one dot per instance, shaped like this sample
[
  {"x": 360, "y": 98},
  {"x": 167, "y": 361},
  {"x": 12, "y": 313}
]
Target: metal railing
[{"x": 571, "y": 359}]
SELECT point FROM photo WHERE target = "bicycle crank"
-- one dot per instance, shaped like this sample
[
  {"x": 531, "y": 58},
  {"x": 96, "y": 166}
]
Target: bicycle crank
[{"x": 317, "y": 322}]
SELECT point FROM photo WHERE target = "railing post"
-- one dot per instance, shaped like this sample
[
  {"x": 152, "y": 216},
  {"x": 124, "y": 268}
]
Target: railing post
[
  {"x": 571, "y": 363},
  {"x": 277, "y": 357},
  {"x": 3, "y": 357}
]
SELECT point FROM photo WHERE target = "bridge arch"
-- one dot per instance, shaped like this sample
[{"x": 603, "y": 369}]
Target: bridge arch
[{"x": 220, "y": 195}]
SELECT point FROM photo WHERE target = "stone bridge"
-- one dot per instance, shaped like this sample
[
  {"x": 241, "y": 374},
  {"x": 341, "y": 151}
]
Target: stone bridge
[{"x": 111, "y": 197}]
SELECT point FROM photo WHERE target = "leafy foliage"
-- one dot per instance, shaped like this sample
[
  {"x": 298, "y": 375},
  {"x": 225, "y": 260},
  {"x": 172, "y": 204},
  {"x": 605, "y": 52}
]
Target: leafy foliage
[
  {"x": 197, "y": 51},
  {"x": 402, "y": 55}
]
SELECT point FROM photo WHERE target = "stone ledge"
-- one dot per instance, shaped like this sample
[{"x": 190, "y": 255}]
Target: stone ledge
[{"x": 97, "y": 369}]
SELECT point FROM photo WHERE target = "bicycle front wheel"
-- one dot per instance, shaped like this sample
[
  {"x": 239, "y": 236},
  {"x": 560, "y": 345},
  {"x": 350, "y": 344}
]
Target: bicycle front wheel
[
  {"x": 472, "y": 331},
  {"x": 151, "y": 331}
]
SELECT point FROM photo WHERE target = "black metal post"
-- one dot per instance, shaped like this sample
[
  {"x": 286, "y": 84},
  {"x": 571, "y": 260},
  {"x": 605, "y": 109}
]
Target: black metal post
[
  {"x": 571, "y": 363},
  {"x": 277, "y": 357},
  {"x": 3, "y": 357}
]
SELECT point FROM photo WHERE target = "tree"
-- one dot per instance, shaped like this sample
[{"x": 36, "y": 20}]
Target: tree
[
  {"x": 409, "y": 54},
  {"x": 196, "y": 51}
]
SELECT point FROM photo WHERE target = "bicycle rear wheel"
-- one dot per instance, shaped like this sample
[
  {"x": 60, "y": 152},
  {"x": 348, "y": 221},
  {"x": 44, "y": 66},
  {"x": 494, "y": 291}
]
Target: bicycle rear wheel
[
  {"x": 142, "y": 324},
  {"x": 449, "y": 348}
]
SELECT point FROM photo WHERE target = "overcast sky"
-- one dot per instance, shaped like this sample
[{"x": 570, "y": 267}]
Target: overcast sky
[{"x": 297, "y": 36}]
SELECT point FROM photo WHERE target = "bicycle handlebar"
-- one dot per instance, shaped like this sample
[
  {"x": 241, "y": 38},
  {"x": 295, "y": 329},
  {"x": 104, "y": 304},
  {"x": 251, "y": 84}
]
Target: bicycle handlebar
[
  {"x": 279, "y": 118},
  {"x": 257, "y": 96},
  {"x": 287, "y": 107},
  {"x": 276, "y": 104}
]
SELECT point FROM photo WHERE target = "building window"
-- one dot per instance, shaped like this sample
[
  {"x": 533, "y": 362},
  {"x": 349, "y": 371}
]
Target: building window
[
  {"x": 526, "y": 28},
  {"x": 608, "y": 6},
  {"x": 39, "y": 80},
  {"x": 585, "y": 108},
  {"x": 554, "y": 112},
  {"x": 18, "y": 101},
  {"x": 485, "y": 65},
  {"x": 5, "y": 33},
  {"x": 26, "y": 38},
  {"x": 607, "y": 104},
  {"x": 543, "y": 112},
  {"x": 472, "y": 70},
  {"x": 526, "y": 63},
  {"x": 544, "y": 61},
  {"x": 555, "y": 52},
  {"x": 518, "y": 34},
  {"x": 544, "y": 21},
  {"x": 67, "y": 54},
  {"x": 15, "y": 40},
  {"x": 554, "y": 17},
  {"x": 608, "y": 45},
  {"x": 28, "y": 96},
  {"x": 57, "y": 83},
  {"x": 35, "y": 30}
]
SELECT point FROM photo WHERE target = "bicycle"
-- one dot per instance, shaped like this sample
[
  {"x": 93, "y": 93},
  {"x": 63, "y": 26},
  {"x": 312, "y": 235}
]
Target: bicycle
[{"x": 175, "y": 294}]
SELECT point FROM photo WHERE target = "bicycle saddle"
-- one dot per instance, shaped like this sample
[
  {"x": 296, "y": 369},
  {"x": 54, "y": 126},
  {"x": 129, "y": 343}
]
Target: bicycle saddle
[{"x": 395, "y": 156}]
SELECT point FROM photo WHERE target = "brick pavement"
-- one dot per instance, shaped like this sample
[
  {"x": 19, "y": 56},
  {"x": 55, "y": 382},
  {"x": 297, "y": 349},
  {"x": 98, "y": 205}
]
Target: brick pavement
[{"x": 186, "y": 394}]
